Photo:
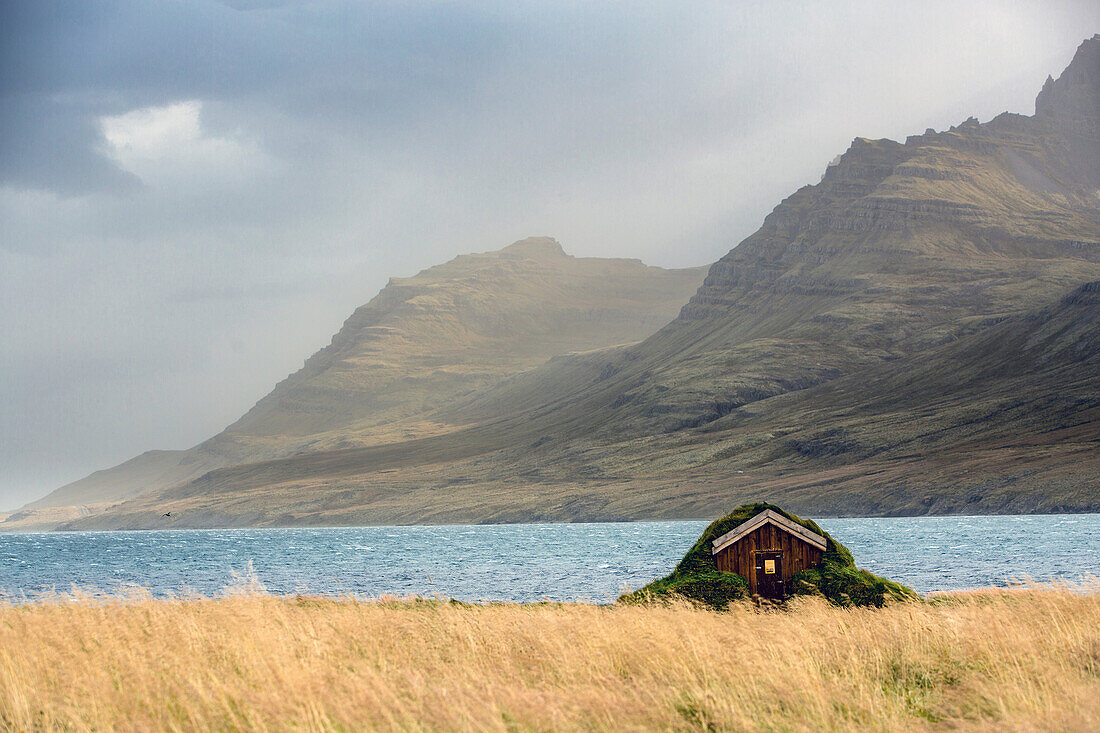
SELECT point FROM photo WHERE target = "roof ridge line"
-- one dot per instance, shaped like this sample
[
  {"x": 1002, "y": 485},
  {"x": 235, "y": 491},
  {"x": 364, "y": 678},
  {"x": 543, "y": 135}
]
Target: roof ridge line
[{"x": 762, "y": 518}]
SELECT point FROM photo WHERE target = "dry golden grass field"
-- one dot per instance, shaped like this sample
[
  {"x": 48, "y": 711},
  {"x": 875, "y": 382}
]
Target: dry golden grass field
[{"x": 1021, "y": 659}]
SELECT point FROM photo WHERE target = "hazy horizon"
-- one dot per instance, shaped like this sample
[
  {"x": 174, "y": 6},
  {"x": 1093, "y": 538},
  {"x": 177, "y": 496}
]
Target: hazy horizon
[{"x": 194, "y": 196}]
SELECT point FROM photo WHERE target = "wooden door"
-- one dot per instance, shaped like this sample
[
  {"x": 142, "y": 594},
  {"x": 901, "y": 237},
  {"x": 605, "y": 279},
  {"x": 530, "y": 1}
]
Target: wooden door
[{"x": 769, "y": 574}]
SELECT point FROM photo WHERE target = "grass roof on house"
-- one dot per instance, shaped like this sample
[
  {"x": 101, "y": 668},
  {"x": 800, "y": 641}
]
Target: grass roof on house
[{"x": 697, "y": 577}]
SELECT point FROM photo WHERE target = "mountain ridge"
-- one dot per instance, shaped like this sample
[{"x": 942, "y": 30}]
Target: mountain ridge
[
  {"x": 859, "y": 482},
  {"x": 906, "y": 262}
]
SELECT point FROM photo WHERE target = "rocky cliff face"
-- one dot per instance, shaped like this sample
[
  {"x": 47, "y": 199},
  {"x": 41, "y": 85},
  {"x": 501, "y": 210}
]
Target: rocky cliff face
[{"x": 899, "y": 248}]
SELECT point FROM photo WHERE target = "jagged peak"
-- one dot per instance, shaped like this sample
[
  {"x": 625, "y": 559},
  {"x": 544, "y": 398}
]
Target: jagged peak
[
  {"x": 1076, "y": 91},
  {"x": 536, "y": 247},
  {"x": 862, "y": 152}
]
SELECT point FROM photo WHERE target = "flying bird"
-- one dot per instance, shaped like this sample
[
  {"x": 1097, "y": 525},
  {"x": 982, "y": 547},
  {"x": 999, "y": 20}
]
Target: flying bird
[{"x": 166, "y": 514}]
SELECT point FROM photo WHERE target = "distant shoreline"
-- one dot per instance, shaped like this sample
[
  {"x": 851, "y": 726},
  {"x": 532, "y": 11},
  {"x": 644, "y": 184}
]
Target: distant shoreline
[{"x": 641, "y": 520}]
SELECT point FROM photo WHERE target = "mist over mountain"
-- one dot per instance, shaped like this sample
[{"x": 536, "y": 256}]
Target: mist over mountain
[
  {"x": 419, "y": 345},
  {"x": 917, "y": 332}
]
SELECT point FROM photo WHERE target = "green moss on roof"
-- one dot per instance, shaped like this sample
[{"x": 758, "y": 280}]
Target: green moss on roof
[{"x": 697, "y": 578}]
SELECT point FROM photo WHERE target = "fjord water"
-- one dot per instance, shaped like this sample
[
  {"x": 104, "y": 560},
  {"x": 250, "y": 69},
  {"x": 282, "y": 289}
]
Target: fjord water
[{"x": 521, "y": 562}]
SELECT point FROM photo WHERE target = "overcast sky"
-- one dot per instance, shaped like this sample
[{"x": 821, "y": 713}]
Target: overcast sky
[{"x": 194, "y": 195}]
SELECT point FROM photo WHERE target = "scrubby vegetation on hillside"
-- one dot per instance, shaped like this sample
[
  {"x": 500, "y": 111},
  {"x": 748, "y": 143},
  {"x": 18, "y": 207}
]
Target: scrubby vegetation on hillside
[{"x": 697, "y": 579}]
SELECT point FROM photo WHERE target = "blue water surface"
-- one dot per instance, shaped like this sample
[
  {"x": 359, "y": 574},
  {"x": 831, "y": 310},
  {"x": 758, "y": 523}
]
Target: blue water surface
[{"x": 521, "y": 562}]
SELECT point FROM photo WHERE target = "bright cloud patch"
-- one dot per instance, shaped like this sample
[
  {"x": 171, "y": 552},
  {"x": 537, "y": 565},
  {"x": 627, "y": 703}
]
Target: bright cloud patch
[
  {"x": 168, "y": 145},
  {"x": 150, "y": 132}
]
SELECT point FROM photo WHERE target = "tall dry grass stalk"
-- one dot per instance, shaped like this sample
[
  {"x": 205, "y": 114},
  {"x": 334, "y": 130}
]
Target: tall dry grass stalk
[{"x": 998, "y": 659}]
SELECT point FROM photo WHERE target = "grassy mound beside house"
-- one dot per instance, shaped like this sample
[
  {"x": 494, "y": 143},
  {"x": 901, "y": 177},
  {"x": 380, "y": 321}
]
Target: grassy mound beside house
[{"x": 837, "y": 578}]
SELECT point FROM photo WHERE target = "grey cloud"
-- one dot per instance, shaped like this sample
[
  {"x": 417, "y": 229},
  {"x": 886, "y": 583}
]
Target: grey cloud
[{"x": 55, "y": 145}]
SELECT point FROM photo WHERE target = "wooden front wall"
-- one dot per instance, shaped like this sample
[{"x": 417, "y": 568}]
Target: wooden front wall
[{"x": 797, "y": 554}]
